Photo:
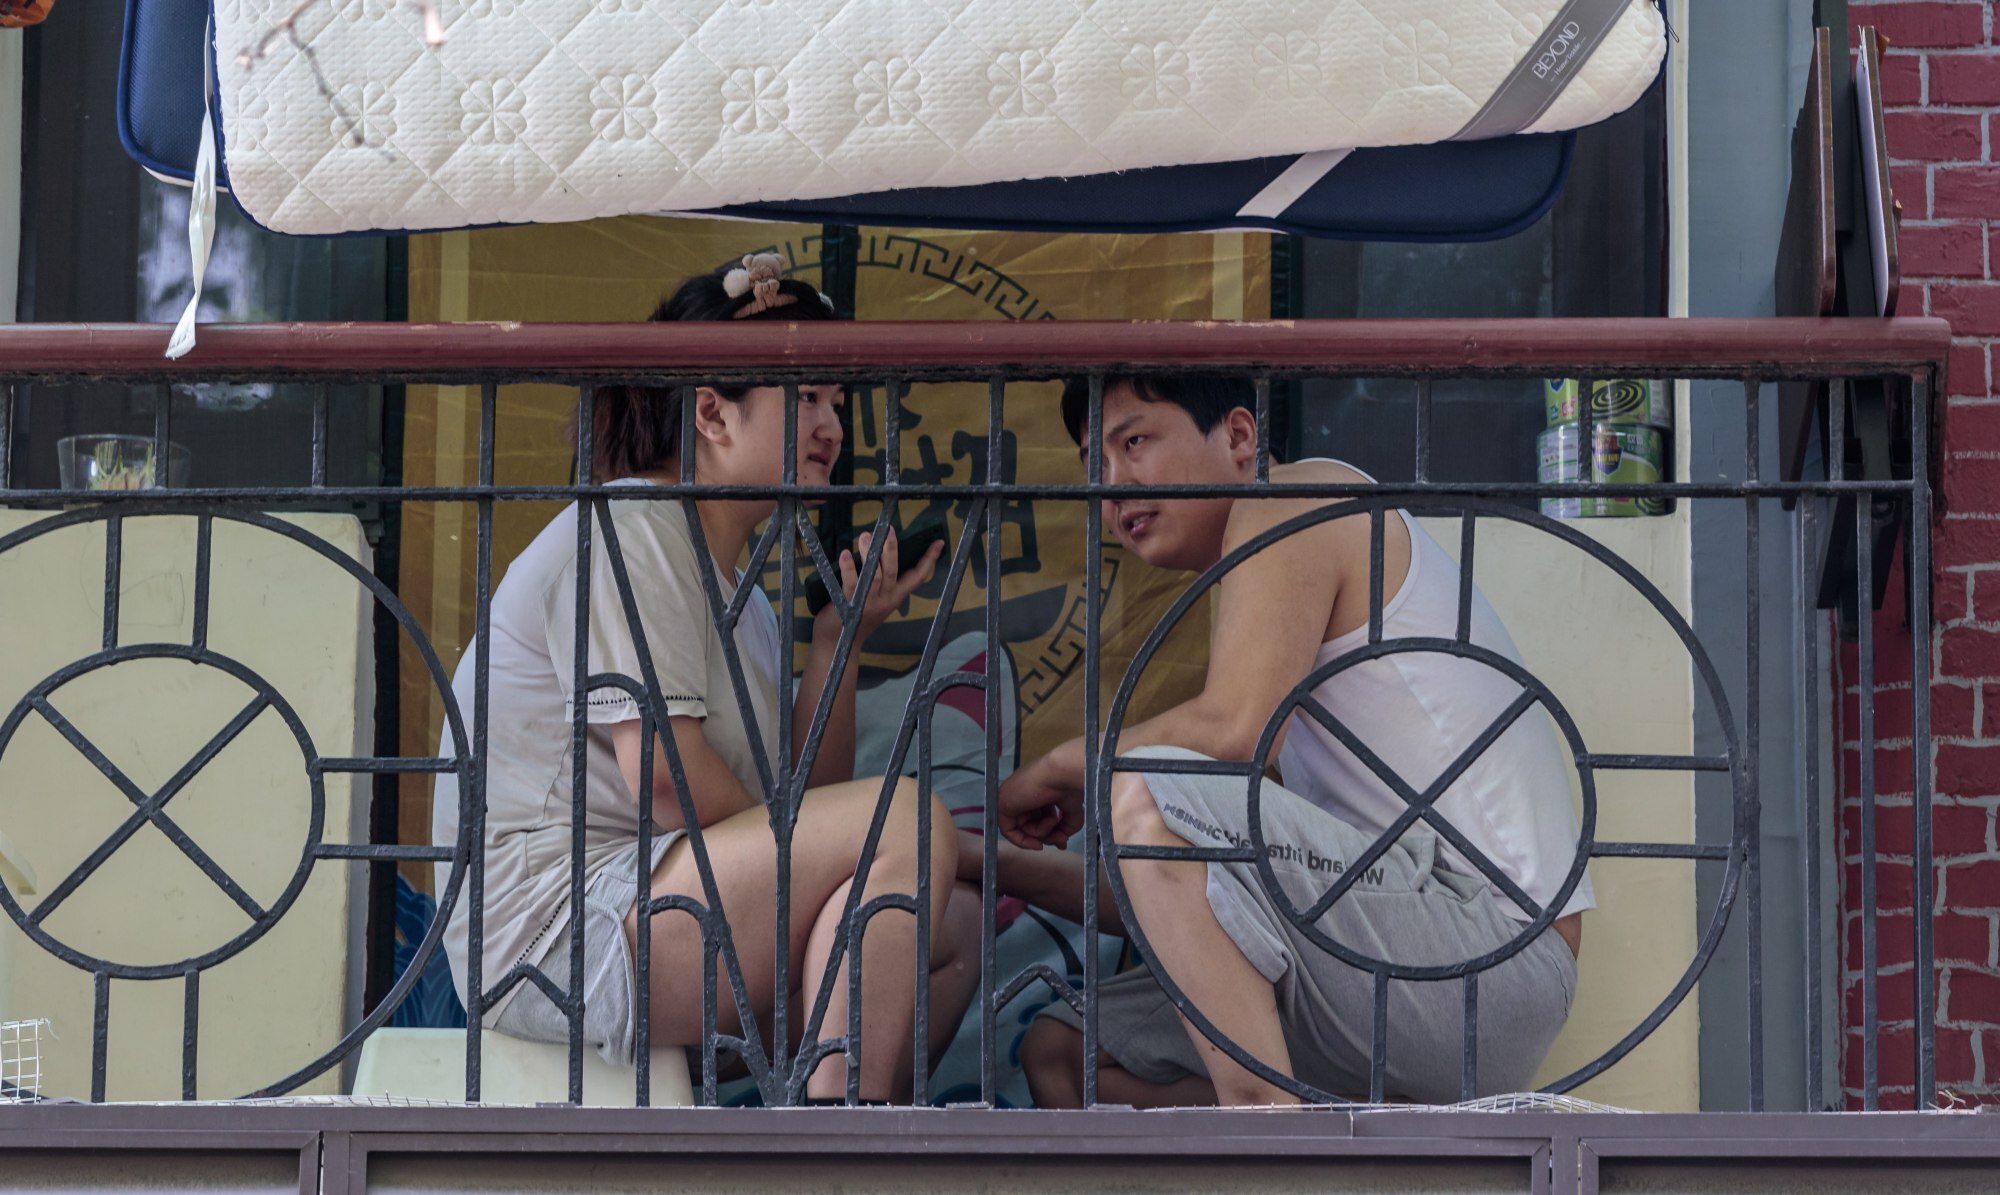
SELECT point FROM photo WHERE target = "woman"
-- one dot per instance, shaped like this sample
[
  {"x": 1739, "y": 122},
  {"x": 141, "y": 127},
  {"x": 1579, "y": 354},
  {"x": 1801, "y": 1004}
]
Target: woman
[{"x": 739, "y": 436}]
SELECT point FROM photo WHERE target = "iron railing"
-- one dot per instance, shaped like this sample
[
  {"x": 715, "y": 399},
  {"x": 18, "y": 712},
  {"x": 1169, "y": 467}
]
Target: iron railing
[{"x": 895, "y": 357}]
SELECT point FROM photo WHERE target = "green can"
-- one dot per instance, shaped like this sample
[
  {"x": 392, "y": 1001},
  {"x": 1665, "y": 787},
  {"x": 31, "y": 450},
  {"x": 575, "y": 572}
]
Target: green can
[
  {"x": 1615, "y": 454},
  {"x": 1622, "y": 401}
]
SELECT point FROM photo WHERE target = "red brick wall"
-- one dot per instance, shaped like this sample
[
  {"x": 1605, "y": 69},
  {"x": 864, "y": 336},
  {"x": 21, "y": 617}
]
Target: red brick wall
[{"x": 1942, "y": 84}]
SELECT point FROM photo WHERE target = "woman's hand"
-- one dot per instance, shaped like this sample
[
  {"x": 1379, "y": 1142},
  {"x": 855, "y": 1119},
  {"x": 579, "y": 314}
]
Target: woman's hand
[{"x": 893, "y": 585}]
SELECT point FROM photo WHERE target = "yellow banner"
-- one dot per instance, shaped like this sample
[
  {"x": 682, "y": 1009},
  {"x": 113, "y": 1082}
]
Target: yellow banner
[{"x": 619, "y": 269}]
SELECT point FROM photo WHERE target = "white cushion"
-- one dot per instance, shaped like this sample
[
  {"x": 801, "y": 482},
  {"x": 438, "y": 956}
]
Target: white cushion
[{"x": 429, "y": 1064}]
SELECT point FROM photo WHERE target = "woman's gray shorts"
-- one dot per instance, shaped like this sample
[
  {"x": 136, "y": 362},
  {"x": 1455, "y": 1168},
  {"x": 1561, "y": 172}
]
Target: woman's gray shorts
[
  {"x": 1406, "y": 909},
  {"x": 608, "y": 1001}
]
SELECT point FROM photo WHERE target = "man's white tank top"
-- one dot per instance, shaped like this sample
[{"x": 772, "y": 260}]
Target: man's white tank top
[{"x": 1417, "y": 711}]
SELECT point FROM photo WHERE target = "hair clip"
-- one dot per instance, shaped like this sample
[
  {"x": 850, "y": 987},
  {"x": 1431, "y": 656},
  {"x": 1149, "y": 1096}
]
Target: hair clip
[{"x": 758, "y": 277}]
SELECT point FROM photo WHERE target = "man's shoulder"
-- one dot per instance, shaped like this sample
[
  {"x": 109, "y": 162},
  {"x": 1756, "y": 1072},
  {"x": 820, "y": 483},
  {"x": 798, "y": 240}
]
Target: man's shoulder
[
  {"x": 1318, "y": 471},
  {"x": 1248, "y": 518}
]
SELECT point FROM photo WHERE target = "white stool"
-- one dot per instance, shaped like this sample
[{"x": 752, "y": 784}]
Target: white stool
[{"x": 429, "y": 1064}]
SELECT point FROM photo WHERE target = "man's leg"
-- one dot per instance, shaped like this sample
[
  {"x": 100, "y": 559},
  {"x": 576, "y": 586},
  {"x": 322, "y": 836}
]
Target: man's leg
[
  {"x": 1189, "y": 944},
  {"x": 1052, "y": 1058}
]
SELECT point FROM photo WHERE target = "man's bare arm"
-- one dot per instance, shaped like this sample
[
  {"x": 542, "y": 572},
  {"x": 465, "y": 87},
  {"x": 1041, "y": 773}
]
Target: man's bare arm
[{"x": 1269, "y": 622}]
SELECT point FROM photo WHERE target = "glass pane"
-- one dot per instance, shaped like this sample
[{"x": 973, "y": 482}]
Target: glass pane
[{"x": 1599, "y": 252}]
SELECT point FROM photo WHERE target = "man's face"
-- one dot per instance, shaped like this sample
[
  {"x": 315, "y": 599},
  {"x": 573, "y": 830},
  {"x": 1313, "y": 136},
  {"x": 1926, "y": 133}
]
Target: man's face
[{"x": 1156, "y": 444}]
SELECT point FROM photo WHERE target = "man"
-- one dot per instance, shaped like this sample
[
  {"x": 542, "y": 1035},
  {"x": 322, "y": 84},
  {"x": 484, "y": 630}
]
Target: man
[{"x": 1301, "y": 602}]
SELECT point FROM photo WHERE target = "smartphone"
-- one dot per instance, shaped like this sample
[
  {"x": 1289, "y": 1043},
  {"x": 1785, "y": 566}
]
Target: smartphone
[{"x": 911, "y": 544}]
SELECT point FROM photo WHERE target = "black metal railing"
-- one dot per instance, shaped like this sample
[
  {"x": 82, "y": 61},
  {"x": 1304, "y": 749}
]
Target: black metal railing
[{"x": 1906, "y": 355}]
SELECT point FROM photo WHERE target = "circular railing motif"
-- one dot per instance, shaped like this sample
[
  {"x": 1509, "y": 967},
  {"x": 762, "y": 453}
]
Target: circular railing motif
[
  {"x": 149, "y": 808},
  {"x": 1419, "y": 803},
  {"x": 152, "y": 808}
]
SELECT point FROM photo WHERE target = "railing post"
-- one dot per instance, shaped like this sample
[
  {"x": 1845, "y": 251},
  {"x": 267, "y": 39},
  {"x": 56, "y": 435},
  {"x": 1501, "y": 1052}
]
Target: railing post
[{"x": 1923, "y": 393}]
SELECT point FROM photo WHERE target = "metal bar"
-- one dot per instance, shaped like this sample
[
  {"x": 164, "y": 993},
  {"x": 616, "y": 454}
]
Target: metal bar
[
  {"x": 204, "y": 555},
  {"x": 1195, "y": 854},
  {"x": 1809, "y": 794},
  {"x": 1709, "y": 348},
  {"x": 1655, "y": 763},
  {"x": 1469, "y": 1086},
  {"x": 1717, "y": 853},
  {"x": 1871, "y": 1023},
  {"x": 892, "y": 432},
  {"x": 920, "y": 1032},
  {"x": 989, "y": 838},
  {"x": 579, "y": 787},
  {"x": 1183, "y": 767},
  {"x": 384, "y": 852},
  {"x": 784, "y": 806},
  {"x": 1467, "y": 538},
  {"x": 1263, "y": 388},
  {"x": 1750, "y": 807},
  {"x": 319, "y": 426},
  {"x": 100, "y": 1032},
  {"x": 114, "y": 550},
  {"x": 190, "y": 1030},
  {"x": 389, "y": 765},
  {"x": 642, "y": 945},
  {"x": 1094, "y": 795},
  {"x": 163, "y": 437},
  {"x": 1378, "y": 1053},
  {"x": 1376, "y": 533},
  {"x": 7, "y": 396},
  {"x": 1424, "y": 398},
  {"x": 1922, "y": 395},
  {"x": 184, "y": 500}
]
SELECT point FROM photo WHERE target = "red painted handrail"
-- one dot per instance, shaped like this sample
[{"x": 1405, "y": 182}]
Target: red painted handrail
[{"x": 1693, "y": 347}]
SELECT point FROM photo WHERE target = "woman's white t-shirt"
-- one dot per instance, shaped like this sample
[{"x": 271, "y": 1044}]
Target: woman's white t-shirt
[{"x": 530, "y": 686}]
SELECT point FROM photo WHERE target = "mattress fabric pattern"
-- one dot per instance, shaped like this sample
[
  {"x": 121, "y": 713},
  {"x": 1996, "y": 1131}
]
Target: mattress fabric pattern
[{"x": 553, "y": 110}]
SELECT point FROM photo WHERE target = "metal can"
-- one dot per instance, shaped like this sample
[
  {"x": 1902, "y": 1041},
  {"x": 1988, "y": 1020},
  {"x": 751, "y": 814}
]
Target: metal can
[
  {"x": 1622, "y": 401},
  {"x": 1613, "y": 454}
]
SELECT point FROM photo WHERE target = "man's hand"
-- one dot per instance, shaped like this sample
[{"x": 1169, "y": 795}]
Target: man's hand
[
  {"x": 893, "y": 585},
  {"x": 1037, "y": 807}
]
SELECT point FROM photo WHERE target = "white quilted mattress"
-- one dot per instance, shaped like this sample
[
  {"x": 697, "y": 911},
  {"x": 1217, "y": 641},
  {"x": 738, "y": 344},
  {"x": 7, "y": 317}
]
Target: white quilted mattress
[{"x": 551, "y": 110}]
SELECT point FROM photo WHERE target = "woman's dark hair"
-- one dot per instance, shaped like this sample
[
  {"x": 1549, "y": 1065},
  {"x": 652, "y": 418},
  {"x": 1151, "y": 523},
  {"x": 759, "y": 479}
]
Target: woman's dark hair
[{"x": 635, "y": 429}]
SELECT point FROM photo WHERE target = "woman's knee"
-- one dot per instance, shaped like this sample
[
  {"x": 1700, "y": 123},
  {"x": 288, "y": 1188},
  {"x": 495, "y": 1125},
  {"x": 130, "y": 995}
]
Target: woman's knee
[{"x": 902, "y": 825}]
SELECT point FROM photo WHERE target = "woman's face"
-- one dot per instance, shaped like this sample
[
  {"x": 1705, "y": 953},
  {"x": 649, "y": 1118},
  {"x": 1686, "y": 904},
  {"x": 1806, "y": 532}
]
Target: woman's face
[{"x": 756, "y": 451}]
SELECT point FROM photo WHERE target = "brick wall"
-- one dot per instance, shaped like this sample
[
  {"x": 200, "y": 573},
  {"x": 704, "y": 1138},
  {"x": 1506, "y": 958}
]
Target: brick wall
[{"x": 1942, "y": 85}]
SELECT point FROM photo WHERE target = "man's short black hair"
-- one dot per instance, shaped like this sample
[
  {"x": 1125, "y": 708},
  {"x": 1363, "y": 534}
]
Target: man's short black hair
[{"x": 1207, "y": 398}]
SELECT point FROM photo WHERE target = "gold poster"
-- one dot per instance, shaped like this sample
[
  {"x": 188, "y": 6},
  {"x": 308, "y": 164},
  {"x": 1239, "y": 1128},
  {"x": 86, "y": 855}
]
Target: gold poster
[{"x": 619, "y": 269}]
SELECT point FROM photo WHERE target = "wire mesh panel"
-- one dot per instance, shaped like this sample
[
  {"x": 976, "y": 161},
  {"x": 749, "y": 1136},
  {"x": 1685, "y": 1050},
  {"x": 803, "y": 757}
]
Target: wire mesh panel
[{"x": 21, "y": 1061}]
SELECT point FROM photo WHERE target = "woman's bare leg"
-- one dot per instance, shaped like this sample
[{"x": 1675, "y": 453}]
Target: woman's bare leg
[
  {"x": 826, "y": 845},
  {"x": 953, "y": 978},
  {"x": 889, "y": 943},
  {"x": 954, "y": 967}
]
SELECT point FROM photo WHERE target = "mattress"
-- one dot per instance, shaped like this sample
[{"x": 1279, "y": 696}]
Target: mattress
[{"x": 352, "y": 118}]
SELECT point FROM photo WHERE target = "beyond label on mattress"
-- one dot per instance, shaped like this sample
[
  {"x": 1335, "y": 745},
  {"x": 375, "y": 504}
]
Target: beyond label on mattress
[{"x": 550, "y": 110}]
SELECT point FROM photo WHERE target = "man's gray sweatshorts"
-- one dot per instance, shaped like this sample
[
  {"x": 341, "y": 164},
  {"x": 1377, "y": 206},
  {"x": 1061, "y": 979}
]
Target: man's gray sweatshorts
[{"x": 1406, "y": 909}]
